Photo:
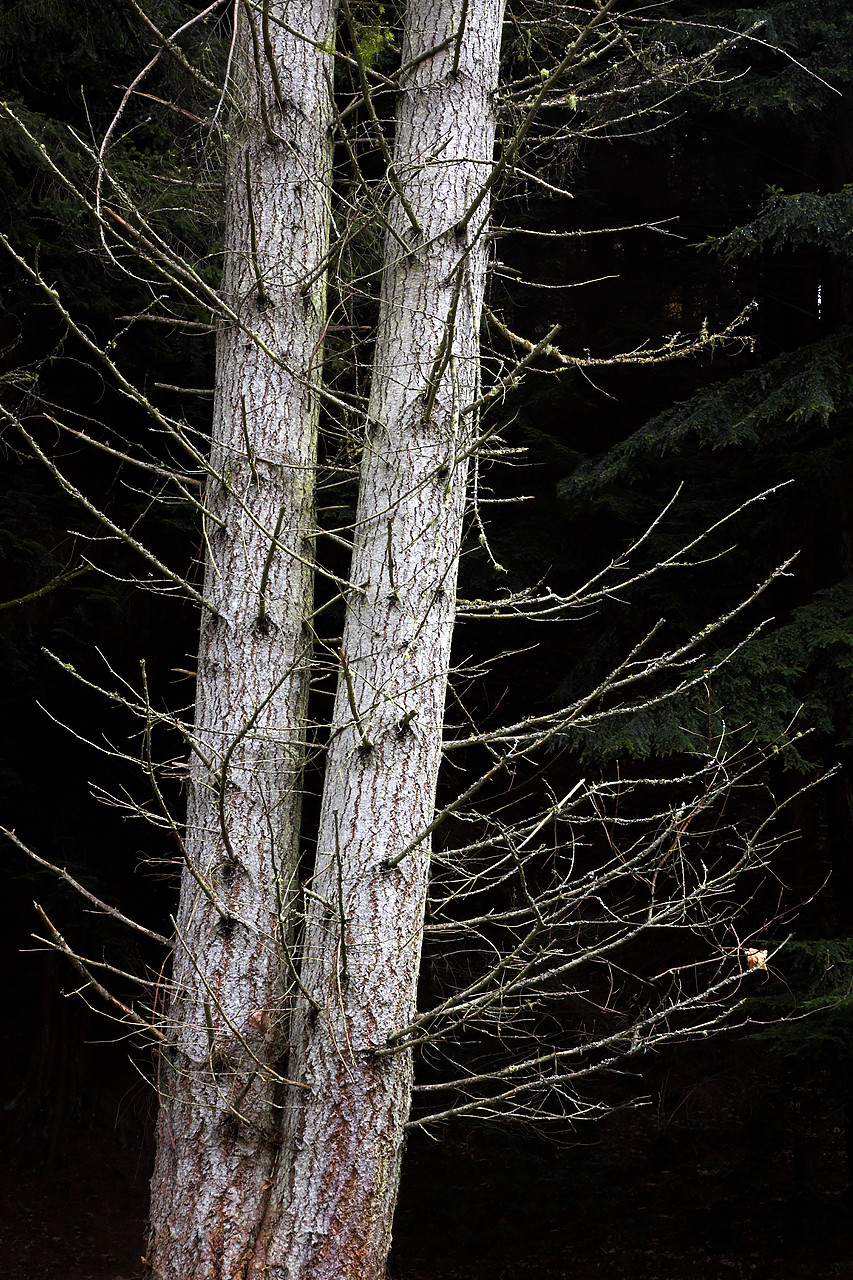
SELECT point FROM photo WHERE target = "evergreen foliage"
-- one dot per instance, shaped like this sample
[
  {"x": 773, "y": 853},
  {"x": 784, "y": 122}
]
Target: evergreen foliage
[
  {"x": 62, "y": 68},
  {"x": 798, "y": 64},
  {"x": 794, "y": 676},
  {"x": 771, "y": 408},
  {"x": 787, "y": 416},
  {"x": 804, "y": 218},
  {"x": 817, "y": 978}
]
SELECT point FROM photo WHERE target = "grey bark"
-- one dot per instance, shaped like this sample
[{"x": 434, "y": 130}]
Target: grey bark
[
  {"x": 218, "y": 1140},
  {"x": 332, "y": 1205}
]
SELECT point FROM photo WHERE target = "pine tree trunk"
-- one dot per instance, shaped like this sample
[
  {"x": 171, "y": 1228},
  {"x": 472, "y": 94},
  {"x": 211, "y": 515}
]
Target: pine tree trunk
[
  {"x": 218, "y": 1138},
  {"x": 332, "y": 1205}
]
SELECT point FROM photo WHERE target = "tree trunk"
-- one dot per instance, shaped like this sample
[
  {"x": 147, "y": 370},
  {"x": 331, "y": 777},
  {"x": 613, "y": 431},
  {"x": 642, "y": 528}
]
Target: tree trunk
[
  {"x": 219, "y": 1119},
  {"x": 331, "y": 1208}
]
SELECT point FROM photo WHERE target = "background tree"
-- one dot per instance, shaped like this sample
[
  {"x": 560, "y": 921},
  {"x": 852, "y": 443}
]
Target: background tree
[{"x": 780, "y": 410}]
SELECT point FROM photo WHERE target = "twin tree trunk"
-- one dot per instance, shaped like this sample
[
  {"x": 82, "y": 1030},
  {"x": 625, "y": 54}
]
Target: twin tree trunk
[{"x": 282, "y": 1110}]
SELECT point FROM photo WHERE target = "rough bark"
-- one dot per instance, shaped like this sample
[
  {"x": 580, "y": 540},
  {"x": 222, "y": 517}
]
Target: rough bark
[
  {"x": 218, "y": 1137},
  {"x": 332, "y": 1205}
]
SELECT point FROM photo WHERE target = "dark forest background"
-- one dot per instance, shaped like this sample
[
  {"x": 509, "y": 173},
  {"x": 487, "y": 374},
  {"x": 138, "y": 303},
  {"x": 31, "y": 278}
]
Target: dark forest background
[{"x": 739, "y": 1161}]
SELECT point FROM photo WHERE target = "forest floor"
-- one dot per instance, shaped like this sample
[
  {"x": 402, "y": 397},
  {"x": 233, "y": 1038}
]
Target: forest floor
[{"x": 731, "y": 1177}]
